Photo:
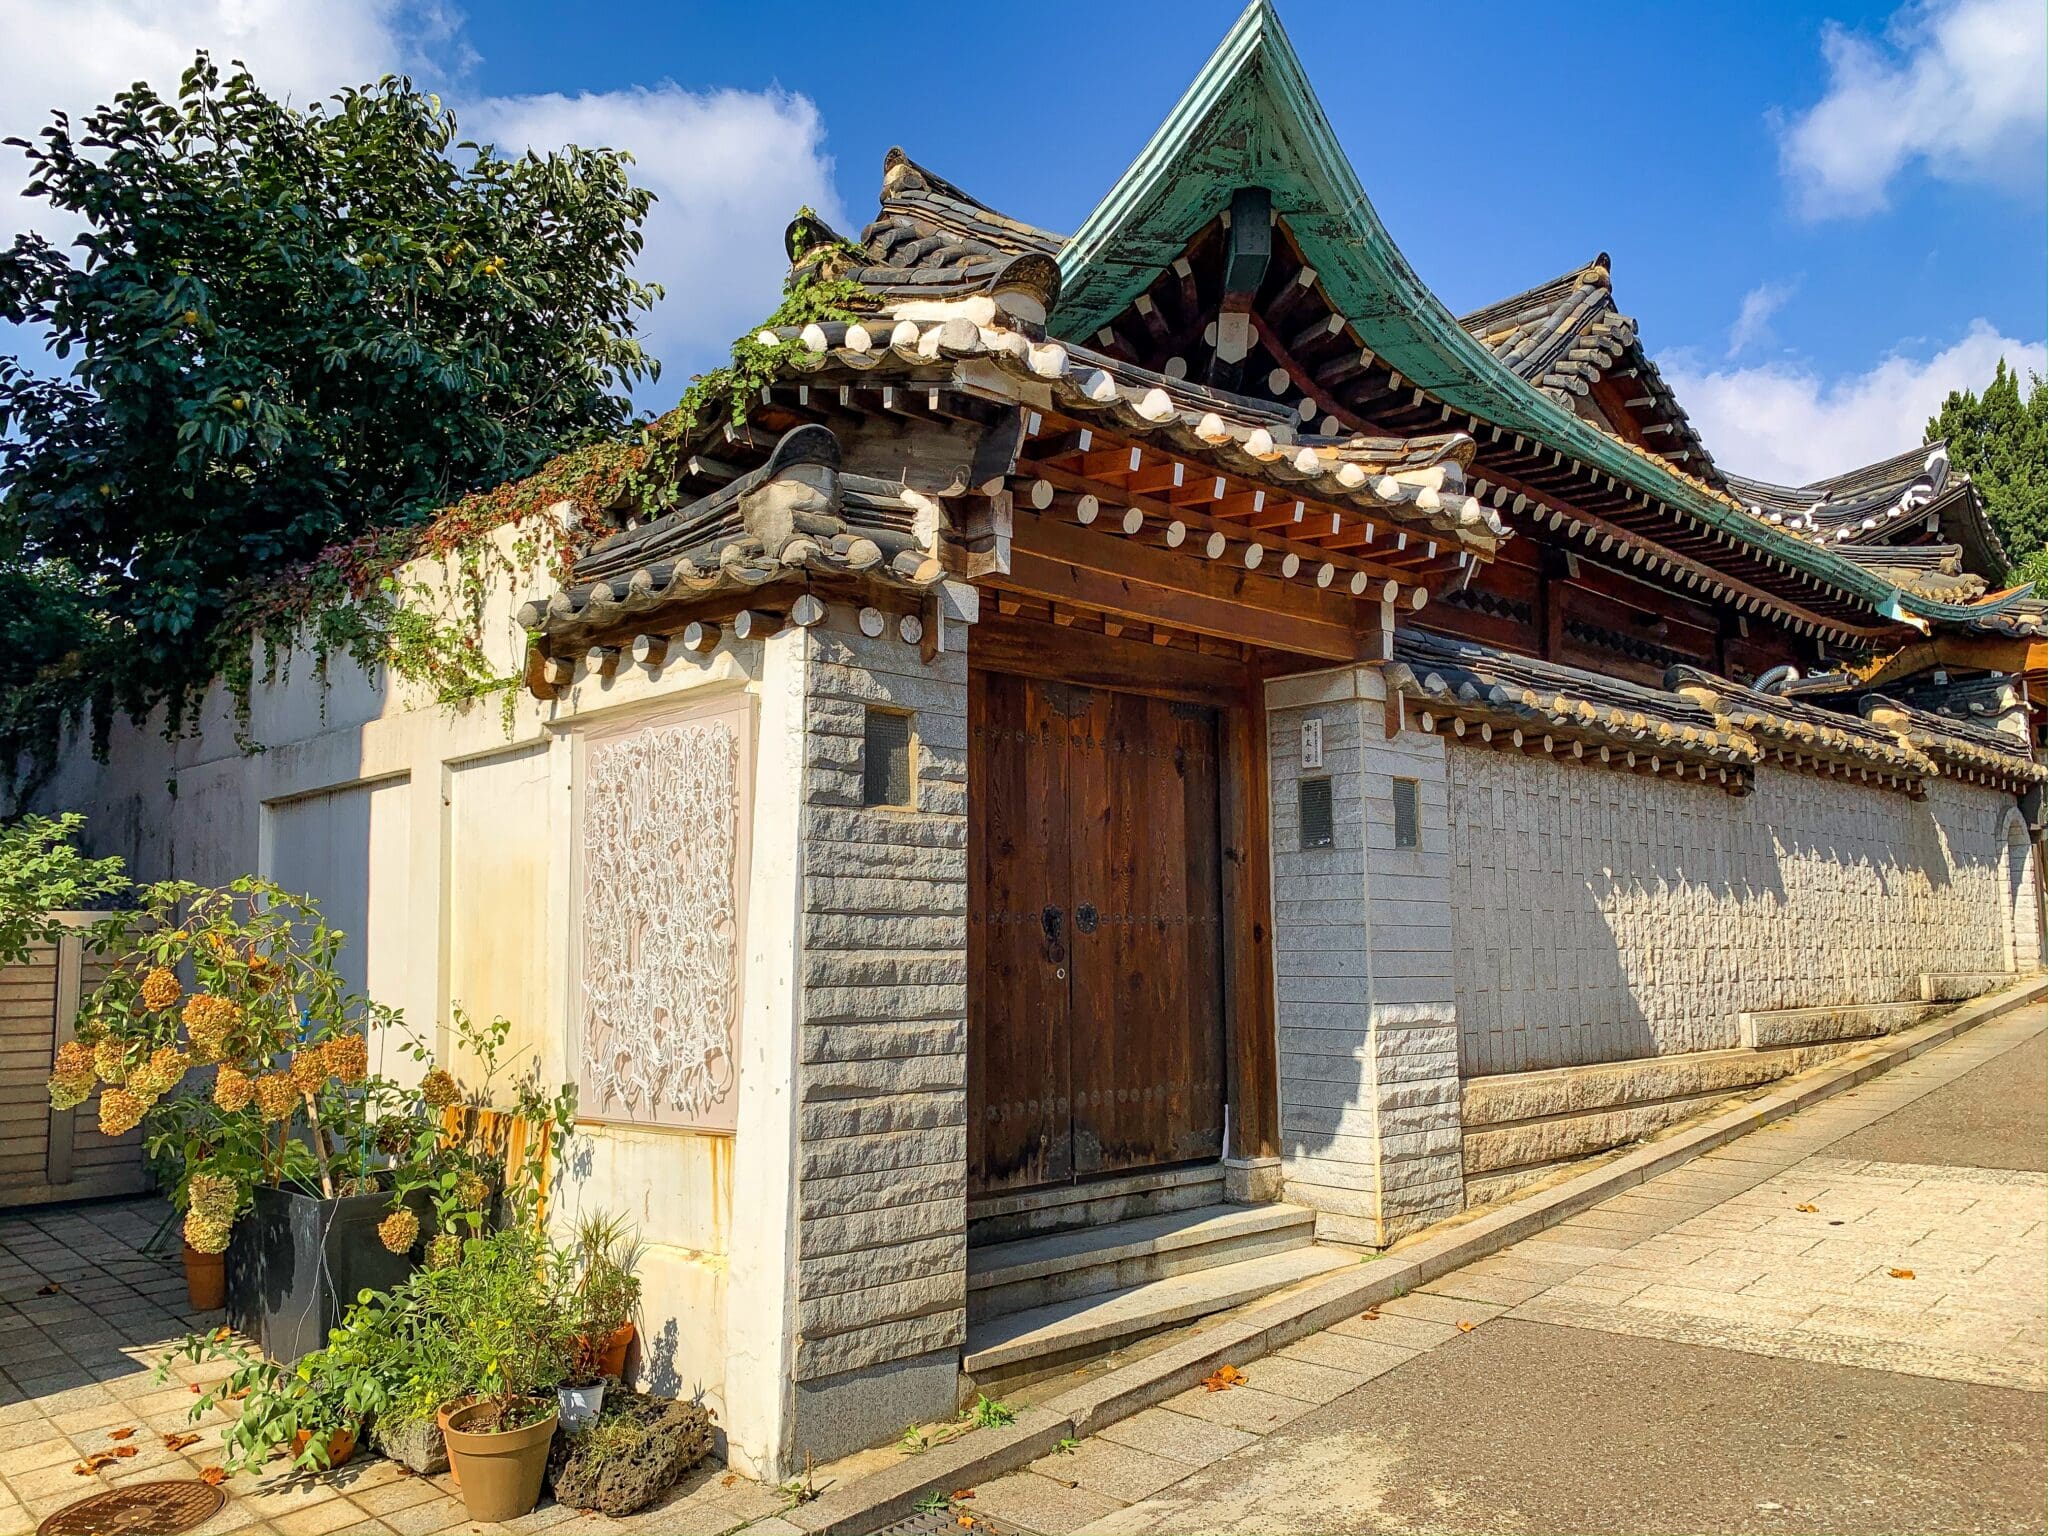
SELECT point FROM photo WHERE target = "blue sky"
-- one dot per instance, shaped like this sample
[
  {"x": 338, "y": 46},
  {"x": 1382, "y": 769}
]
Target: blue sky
[{"x": 1823, "y": 216}]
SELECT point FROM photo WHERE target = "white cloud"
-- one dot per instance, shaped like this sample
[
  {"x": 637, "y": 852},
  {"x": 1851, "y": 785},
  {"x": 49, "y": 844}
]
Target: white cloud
[
  {"x": 1959, "y": 86},
  {"x": 728, "y": 169},
  {"x": 1784, "y": 422},
  {"x": 1753, "y": 322},
  {"x": 74, "y": 55}
]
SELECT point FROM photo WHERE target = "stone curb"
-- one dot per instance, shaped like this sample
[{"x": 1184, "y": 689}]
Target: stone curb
[{"x": 1264, "y": 1326}]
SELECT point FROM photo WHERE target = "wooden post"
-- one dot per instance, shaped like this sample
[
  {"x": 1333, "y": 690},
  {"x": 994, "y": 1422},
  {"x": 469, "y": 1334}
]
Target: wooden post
[{"x": 1253, "y": 1047}]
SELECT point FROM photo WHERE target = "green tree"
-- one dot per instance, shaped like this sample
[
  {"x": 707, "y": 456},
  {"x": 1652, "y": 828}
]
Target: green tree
[
  {"x": 285, "y": 328},
  {"x": 2001, "y": 439},
  {"x": 41, "y": 873}
]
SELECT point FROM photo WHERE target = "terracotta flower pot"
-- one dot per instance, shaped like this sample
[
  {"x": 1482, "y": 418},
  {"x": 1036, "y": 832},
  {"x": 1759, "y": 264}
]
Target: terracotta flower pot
[
  {"x": 441, "y": 1415},
  {"x": 611, "y": 1351},
  {"x": 206, "y": 1279},
  {"x": 500, "y": 1471},
  {"x": 340, "y": 1446}
]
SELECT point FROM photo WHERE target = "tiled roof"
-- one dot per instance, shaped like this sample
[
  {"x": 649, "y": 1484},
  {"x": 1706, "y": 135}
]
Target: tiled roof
[
  {"x": 1566, "y": 335},
  {"x": 1238, "y": 435},
  {"x": 930, "y": 240},
  {"x": 797, "y": 514},
  {"x": 1696, "y": 726}
]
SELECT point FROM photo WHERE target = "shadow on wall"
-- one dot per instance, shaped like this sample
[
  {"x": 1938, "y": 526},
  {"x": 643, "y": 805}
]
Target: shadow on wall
[{"x": 1603, "y": 917}]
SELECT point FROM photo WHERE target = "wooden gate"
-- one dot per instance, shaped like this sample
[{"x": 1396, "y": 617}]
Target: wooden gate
[
  {"x": 54, "y": 1154},
  {"x": 1095, "y": 943}
]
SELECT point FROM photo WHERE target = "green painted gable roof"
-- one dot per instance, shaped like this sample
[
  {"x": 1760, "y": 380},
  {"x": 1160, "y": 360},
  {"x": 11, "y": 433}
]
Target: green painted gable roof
[{"x": 1251, "y": 119}]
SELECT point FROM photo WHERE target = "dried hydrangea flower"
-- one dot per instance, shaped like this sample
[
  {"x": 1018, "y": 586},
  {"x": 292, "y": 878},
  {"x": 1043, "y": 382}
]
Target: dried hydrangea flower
[
  {"x": 120, "y": 1111},
  {"x": 160, "y": 989},
  {"x": 399, "y": 1231},
  {"x": 233, "y": 1089},
  {"x": 213, "y": 1194},
  {"x": 164, "y": 1070},
  {"x": 275, "y": 1095},
  {"x": 439, "y": 1089},
  {"x": 110, "y": 1061},
  {"x": 443, "y": 1249},
  {"x": 210, "y": 1021},
  {"x": 309, "y": 1070},
  {"x": 348, "y": 1057},
  {"x": 207, "y": 1233}
]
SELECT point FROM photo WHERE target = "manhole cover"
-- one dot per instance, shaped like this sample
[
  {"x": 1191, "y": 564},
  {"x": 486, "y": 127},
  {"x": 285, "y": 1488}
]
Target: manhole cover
[
  {"x": 946, "y": 1522},
  {"x": 143, "y": 1509}
]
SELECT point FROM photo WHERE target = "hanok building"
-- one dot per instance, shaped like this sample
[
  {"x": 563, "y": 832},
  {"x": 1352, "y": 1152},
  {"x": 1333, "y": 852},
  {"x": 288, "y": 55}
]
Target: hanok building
[{"x": 1148, "y": 761}]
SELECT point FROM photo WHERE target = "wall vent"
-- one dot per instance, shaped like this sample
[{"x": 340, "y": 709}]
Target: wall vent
[
  {"x": 1407, "y": 814},
  {"x": 1318, "y": 814},
  {"x": 885, "y": 760}
]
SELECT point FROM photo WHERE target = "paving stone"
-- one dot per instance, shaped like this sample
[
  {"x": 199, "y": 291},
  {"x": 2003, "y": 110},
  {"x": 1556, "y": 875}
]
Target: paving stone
[
  {"x": 1436, "y": 1308},
  {"x": 1120, "y": 1471},
  {"x": 1245, "y": 1408},
  {"x": 1344, "y": 1352},
  {"x": 1162, "y": 1432},
  {"x": 1038, "y": 1503},
  {"x": 1302, "y": 1380},
  {"x": 1401, "y": 1332}
]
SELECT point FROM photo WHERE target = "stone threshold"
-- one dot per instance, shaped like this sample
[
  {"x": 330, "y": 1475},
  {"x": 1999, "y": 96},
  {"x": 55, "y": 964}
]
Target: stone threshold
[{"x": 1260, "y": 1328}]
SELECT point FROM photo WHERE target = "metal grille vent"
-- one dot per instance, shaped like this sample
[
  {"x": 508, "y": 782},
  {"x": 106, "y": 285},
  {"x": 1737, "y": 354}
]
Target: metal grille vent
[
  {"x": 1318, "y": 814},
  {"x": 885, "y": 776},
  {"x": 1407, "y": 814}
]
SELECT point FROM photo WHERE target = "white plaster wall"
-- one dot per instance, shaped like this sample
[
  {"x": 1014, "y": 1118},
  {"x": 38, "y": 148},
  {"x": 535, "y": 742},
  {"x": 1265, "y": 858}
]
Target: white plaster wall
[
  {"x": 1604, "y": 916},
  {"x": 440, "y": 840},
  {"x": 337, "y": 847}
]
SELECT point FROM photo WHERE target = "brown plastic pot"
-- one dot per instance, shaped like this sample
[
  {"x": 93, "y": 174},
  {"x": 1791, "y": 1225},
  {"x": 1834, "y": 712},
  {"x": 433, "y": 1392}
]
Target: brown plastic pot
[
  {"x": 206, "y": 1279},
  {"x": 340, "y": 1446},
  {"x": 500, "y": 1472},
  {"x": 441, "y": 1418}
]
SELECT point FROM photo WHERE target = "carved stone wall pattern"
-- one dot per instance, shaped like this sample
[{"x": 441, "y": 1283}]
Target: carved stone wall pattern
[{"x": 662, "y": 855}]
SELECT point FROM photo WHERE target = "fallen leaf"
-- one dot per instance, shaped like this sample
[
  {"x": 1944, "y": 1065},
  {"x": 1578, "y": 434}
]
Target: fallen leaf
[
  {"x": 1807, "y": 1208},
  {"x": 195, "y": 1389},
  {"x": 179, "y": 1442},
  {"x": 123, "y": 1451},
  {"x": 1369, "y": 1315},
  {"x": 1902, "y": 1274},
  {"x": 1223, "y": 1378},
  {"x": 1466, "y": 1327},
  {"x": 213, "y": 1477},
  {"x": 728, "y": 1480},
  {"x": 121, "y": 1434},
  {"x": 968, "y": 1521},
  {"x": 93, "y": 1463},
  {"x": 963, "y": 1493},
  {"x": 50, "y": 1289}
]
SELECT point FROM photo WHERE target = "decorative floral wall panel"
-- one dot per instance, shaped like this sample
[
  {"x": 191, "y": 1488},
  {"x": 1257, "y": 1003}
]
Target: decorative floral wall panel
[{"x": 661, "y": 895}]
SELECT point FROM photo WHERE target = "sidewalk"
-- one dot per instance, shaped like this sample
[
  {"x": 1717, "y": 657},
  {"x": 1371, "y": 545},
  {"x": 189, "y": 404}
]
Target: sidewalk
[{"x": 1837, "y": 1323}]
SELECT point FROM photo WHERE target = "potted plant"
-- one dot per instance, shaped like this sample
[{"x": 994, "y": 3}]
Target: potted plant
[
  {"x": 315, "y": 1177},
  {"x": 606, "y": 1253},
  {"x": 312, "y": 1409},
  {"x": 507, "y": 1306}
]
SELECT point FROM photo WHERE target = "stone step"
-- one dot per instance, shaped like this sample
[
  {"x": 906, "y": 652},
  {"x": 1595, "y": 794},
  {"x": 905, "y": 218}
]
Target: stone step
[
  {"x": 1064, "y": 1334},
  {"x": 1004, "y": 1278}
]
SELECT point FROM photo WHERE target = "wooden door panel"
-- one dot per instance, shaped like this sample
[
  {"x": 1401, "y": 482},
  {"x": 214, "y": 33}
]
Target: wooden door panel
[
  {"x": 1018, "y": 1132},
  {"x": 1147, "y": 1000},
  {"x": 1095, "y": 1016}
]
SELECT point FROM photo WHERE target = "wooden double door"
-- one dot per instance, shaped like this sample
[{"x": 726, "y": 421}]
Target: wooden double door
[{"x": 1095, "y": 1041}]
